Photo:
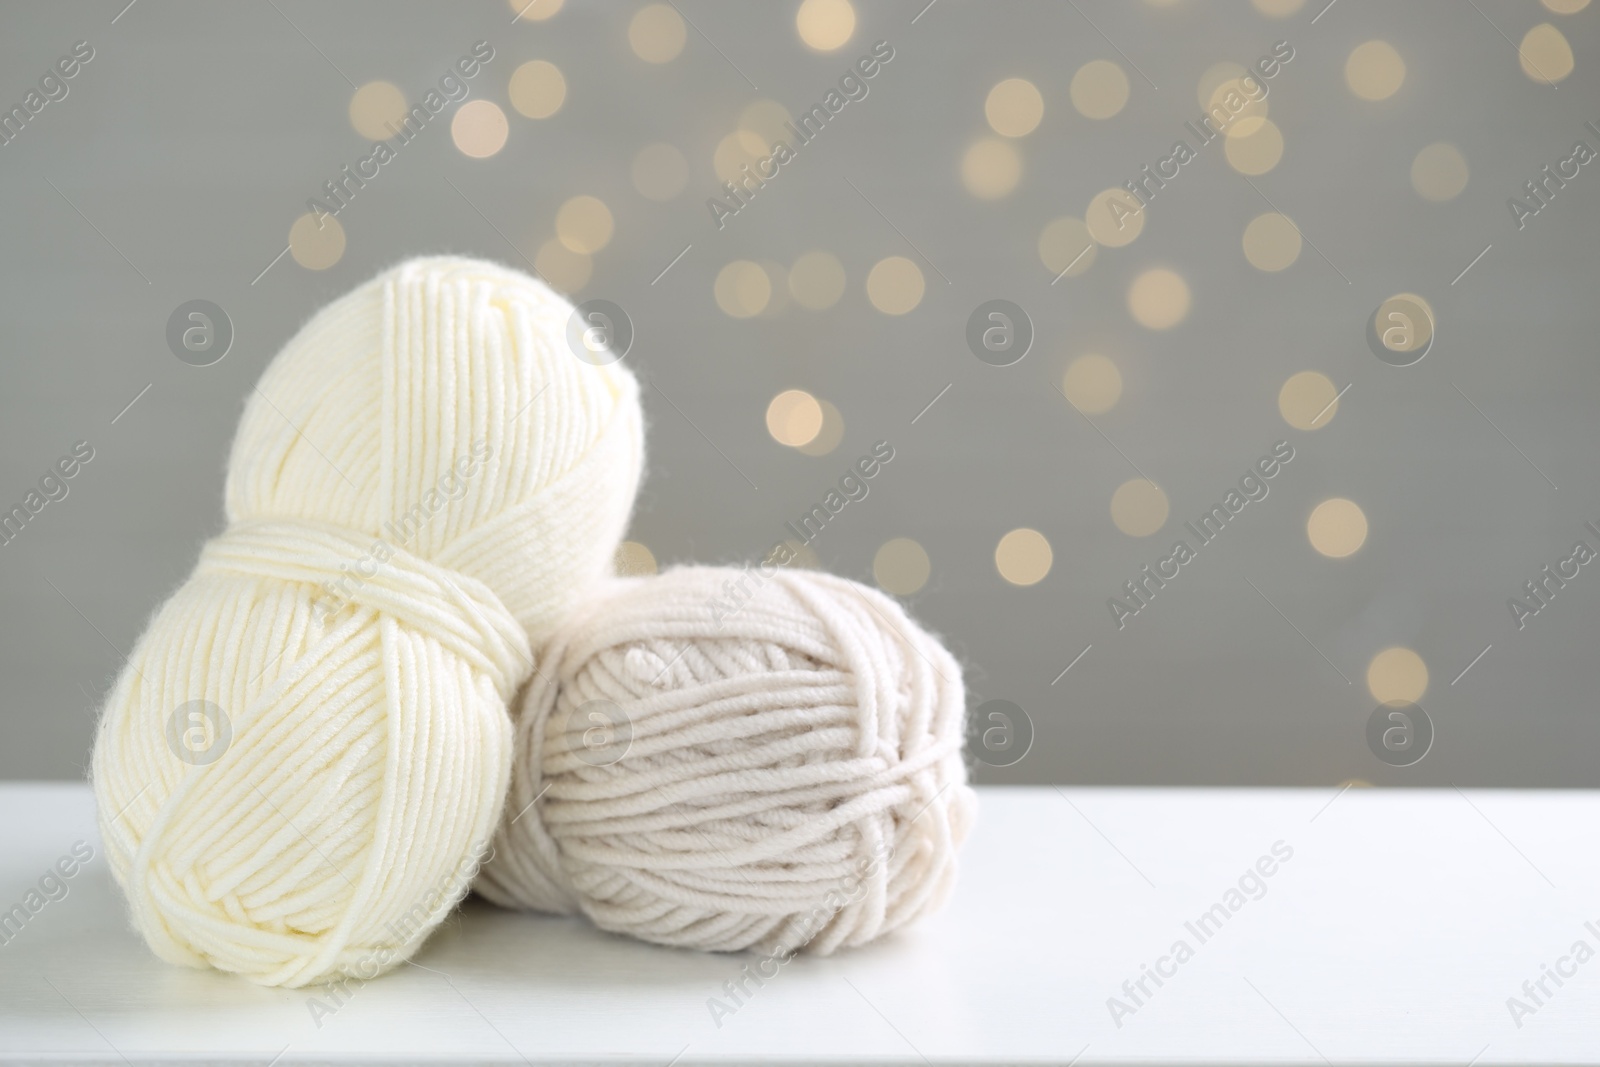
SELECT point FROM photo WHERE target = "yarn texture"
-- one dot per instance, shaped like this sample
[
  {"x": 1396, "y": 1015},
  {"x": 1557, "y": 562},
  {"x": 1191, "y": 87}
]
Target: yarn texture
[
  {"x": 308, "y": 750},
  {"x": 786, "y": 777}
]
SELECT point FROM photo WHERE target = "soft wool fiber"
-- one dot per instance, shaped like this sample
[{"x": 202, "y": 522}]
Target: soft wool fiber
[
  {"x": 431, "y": 435},
  {"x": 794, "y": 777}
]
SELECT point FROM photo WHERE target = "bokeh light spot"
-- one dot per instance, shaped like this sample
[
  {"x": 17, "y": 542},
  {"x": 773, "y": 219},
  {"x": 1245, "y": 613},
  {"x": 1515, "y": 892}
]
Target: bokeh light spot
[
  {"x": 895, "y": 285},
  {"x": 537, "y": 89},
  {"x": 1374, "y": 70},
  {"x": 816, "y": 280},
  {"x": 1545, "y": 55},
  {"x": 794, "y": 418},
  {"x": 1092, "y": 383},
  {"x": 1014, "y": 107},
  {"x": 1337, "y": 527},
  {"x": 990, "y": 168},
  {"x": 660, "y": 172},
  {"x": 1114, "y": 218},
  {"x": 657, "y": 34},
  {"x": 377, "y": 109},
  {"x": 1139, "y": 507},
  {"x": 634, "y": 559},
  {"x": 1308, "y": 400},
  {"x": 1271, "y": 242},
  {"x": 1439, "y": 172},
  {"x": 1023, "y": 556},
  {"x": 534, "y": 10},
  {"x": 1397, "y": 674},
  {"x": 1256, "y": 152},
  {"x": 742, "y": 289},
  {"x": 584, "y": 224},
  {"x": 566, "y": 270},
  {"x": 1099, "y": 89},
  {"x": 830, "y": 435},
  {"x": 901, "y": 566},
  {"x": 479, "y": 128},
  {"x": 1159, "y": 299},
  {"x": 316, "y": 247},
  {"x": 825, "y": 25},
  {"x": 1065, "y": 245}
]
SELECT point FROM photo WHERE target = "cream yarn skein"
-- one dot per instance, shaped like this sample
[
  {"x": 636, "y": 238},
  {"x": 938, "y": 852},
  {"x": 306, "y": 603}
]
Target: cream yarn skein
[
  {"x": 789, "y": 776},
  {"x": 307, "y": 752}
]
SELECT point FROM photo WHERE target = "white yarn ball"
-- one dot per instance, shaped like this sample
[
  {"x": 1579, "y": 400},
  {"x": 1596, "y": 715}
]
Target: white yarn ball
[
  {"x": 424, "y": 481},
  {"x": 788, "y": 778}
]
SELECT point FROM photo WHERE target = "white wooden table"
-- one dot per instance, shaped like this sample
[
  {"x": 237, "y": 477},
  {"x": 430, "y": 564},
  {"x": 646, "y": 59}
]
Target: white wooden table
[{"x": 1395, "y": 933}]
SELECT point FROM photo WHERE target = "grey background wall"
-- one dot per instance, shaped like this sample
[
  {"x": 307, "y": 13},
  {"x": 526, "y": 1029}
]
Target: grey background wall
[{"x": 186, "y": 149}]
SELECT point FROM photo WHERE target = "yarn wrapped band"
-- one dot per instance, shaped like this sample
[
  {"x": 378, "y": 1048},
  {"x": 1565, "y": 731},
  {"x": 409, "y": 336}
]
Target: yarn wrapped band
[
  {"x": 462, "y": 613},
  {"x": 790, "y": 777},
  {"x": 306, "y": 755}
]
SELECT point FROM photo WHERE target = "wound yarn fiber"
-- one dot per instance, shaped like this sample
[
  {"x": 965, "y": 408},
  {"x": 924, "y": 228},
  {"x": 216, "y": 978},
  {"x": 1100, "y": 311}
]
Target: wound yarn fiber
[
  {"x": 787, "y": 777},
  {"x": 307, "y": 752}
]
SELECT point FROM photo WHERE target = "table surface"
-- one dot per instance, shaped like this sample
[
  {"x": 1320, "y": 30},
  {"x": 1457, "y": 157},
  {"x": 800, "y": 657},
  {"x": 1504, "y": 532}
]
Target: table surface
[{"x": 1396, "y": 931}]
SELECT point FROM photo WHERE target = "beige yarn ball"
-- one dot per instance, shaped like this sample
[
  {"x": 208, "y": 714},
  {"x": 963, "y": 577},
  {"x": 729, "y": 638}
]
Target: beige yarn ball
[
  {"x": 306, "y": 755},
  {"x": 726, "y": 760}
]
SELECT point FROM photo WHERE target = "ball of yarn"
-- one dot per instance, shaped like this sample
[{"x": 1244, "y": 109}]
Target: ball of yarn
[
  {"x": 307, "y": 752},
  {"x": 727, "y": 760}
]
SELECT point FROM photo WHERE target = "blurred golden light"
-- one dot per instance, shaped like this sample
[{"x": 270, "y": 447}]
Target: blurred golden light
[
  {"x": 1099, "y": 89},
  {"x": 825, "y": 25},
  {"x": 1093, "y": 384},
  {"x": 1014, "y": 107},
  {"x": 1065, "y": 245},
  {"x": 829, "y": 436},
  {"x": 566, "y": 270},
  {"x": 584, "y": 224},
  {"x": 901, "y": 566},
  {"x": 1256, "y": 152},
  {"x": 1398, "y": 326},
  {"x": 990, "y": 168},
  {"x": 895, "y": 285},
  {"x": 1374, "y": 70},
  {"x": 634, "y": 559},
  {"x": 816, "y": 280},
  {"x": 1278, "y": 9},
  {"x": 479, "y": 128},
  {"x": 801, "y": 555},
  {"x": 1566, "y": 7},
  {"x": 316, "y": 247},
  {"x": 1023, "y": 557},
  {"x": 1439, "y": 172},
  {"x": 794, "y": 418},
  {"x": 537, "y": 89},
  {"x": 778, "y": 277},
  {"x": 1308, "y": 400},
  {"x": 1213, "y": 78},
  {"x": 1239, "y": 114},
  {"x": 761, "y": 125},
  {"x": 657, "y": 33},
  {"x": 534, "y": 10},
  {"x": 377, "y": 109},
  {"x": 732, "y": 155},
  {"x": 1158, "y": 298},
  {"x": 742, "y": 289},
  {"x": 1271, "y": 242},
  {"x": 1139, "y": 508},
  {"x": 1397, "y": 674},
  {"x": 660, "y": 172},
  {"x": 1545, "y": 54},
  {"x": 1114, "y": 217},
  {"x": 1337, "y": 527}
]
